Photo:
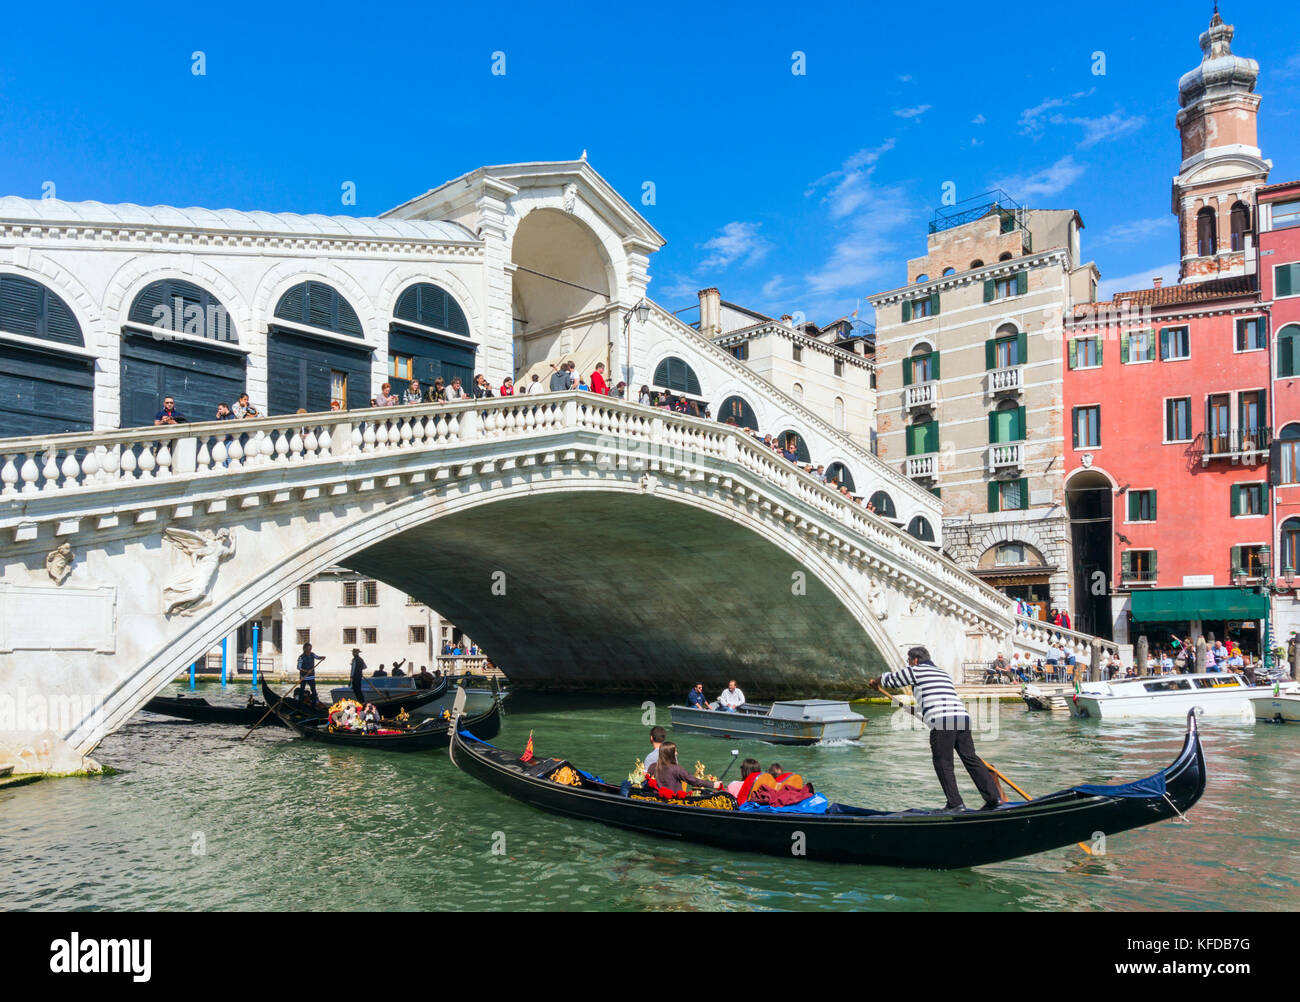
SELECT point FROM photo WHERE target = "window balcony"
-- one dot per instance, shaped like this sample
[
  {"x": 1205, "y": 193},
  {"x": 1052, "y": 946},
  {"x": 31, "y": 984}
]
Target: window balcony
[
  {"x": 921, "y": 396},
  {"x": 1004, "y": 458},
  {"x": 924, "y": 467},
  {"x": 1010, "y": 380},
  {"x": 1246, "y": 446},
  {"x": 1138, "y": 576}
]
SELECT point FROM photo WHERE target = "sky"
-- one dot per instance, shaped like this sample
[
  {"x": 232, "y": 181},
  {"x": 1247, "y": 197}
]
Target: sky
[{"x": 791, "y": 155}]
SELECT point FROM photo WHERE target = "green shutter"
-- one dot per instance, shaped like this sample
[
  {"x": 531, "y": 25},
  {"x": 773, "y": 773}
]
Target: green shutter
[
  {"x": 1132, "y": 506},
  {"x": 1286, "y": 355},
  {"x": 1074, "y": 353},
  {"x": 934, "y": 303},
  {"x": 1153, "y": 506},
  {"x": 934, "y": 365},
  {"x": 1282, "y": 284},
  {"x": 1022, "y": 347},
  {"x": 907, "y": 310},
  {"x": 1155, "y": 575},
  {"x": 988, "y": 290},
  {"x": 1164, "y": 343},
  {"x": 932, "y": 436},
  {"x": 1101, "y": 340},
  {"x": 1236, "y": 560},
  {"x": 1021, "y": 428},
  {"x": 1022, "y": 282},
  {"x": 907, "y": 372},
  {"x": 990, "y": 353},
  {"x": 993, "y": 496},
  {"x": 1236, "y": 500},
  {"x": 1125, "y": 566},
  {"x": 1024, "y": 493},
  {"x": 1074, "y": 426},
  {"x": 1123, "y": 348},
  {"x": 993, "y": 427},
  {"x": 1151, "y": 346},
  {"x": 1263, "y": 498}
]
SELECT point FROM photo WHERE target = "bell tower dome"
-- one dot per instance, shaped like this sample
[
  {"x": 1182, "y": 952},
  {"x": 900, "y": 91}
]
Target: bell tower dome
[{"x": 1214, "y": 192}]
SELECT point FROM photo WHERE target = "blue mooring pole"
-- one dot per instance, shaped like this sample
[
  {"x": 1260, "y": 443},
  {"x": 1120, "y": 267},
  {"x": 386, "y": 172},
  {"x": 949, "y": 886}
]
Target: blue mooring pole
[
  {"x": 193, "y": 664},
  {"x": 224, "y": 641},
  {"x": 256, "y": 624}
]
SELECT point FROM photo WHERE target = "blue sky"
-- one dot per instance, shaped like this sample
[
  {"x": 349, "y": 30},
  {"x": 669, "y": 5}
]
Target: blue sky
[{"x": 789, "y": 192}]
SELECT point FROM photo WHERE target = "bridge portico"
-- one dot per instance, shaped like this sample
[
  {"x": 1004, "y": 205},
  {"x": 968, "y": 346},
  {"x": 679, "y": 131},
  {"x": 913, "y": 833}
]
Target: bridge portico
[{"x": 591, "y": 542}]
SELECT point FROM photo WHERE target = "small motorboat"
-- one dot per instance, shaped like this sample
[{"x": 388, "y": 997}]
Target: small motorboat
[
  {"x": 201, "y": 711},
  {"x": 790, "y": 722},
  {"x": 1216, "y": 694},
  {"x": 839, "y": 833},
  {"x": 1281, "y": 704}
]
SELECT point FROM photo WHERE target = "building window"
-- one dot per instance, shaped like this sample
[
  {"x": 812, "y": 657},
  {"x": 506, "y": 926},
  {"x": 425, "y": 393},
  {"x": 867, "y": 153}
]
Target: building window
[
  {"x": 349, "y": 593},
  {"x": 304, "y": 596},
  {"x": 839, "y": 413},
  {"x": 1249, "y": 499},
  {"x": 369, "y": 635},
  {"x": 920, "y": 308},
  {"x": 1288, "y": 351},
  {"x": 977, "y": 263},
  {"x": 1288, "y": 455},
  {"x": 922, "y": 366},
  {"x": 1239, "y": 222},
  {"x": 674, "y": 374},
  {"x": 1178, "y": 419},
  {"x": 1251, "y": 335},
  {"x": 1137, "y": 566},
  {"x": 1142, "y": 506},
  {"x": 1137, "y": 346},
  {"x": 350, "y": 637},
  {"x": 1087, "y": 427},
  {"x": 1009, "y": 554},
  {"x": 1175, "y": 343},
  {"x": 1085, "y": 352},
  {"x": 798, "y": 353},
  {"x": 923, "y": 437},
  {"x": 740, "y": 352},
  {"x": 412, "y": 600},
  {"x": 920, "y": 529},
  {"x": 1206, "y": 235},
  {"x": 304, "y": 637},
  {"x": 1252, "y": 423},
  {"x": 415, "y": 635},
  {"x": 839, "y": 367},
  {"x": 1218, "y": 424},
  {"x": 1013, "y": 495},
  {"x": 927, "y": 306},
  {"x": 1247, "y": 561},
  {"x": 339, "y": 389},
  {"x": 369, "y": 593},
  {"x": 1006, "y": 348},
  {"x": 1286, "y": 280},
  {"x": 796, "y": 391},
  {"x": 400, "y": 366},
  {"x": 1286, "y": 214},
  {"x": 1004, "y": 288},
  {"x": 1007, "y": 423},
  {"x": 1289, "y": 546}
]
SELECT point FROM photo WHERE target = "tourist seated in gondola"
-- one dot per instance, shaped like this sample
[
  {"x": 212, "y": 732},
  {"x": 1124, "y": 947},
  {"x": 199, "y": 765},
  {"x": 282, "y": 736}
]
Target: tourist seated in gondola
[
  {"x": 750, "y": 770},
  {"x": 668, "y": 776},
  {"x": 370, "y": 718},
  {"x": 397, "y": 669},
  {"x": 778, "y": 788},
  {"x": 380, "y": 673}
]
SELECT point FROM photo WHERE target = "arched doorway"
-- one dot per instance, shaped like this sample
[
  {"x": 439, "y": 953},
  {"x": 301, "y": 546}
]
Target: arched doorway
[
  {"x": 1089, "y": 499},
  {"x": 563, "y": 293},
  {"x": 736, "y": 410},
  {"x": 884, "y": 505},
  {"x": 837, "y": 474},
  {"x": 178, "y": 342},
  {"x": 920, "y": 528},
  {"x": 674, "y": 375},
  {"x": 1019, "y": 571},
  {"x": 800, "y": 446},
  {"x": 46, "y": 377},
  {"x": 311, "y": 363},
  {"x": 429, "y": 339}
]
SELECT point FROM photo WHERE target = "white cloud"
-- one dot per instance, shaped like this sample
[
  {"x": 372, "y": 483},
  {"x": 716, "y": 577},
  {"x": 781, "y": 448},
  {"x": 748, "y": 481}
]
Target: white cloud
[
  {"x": 1291, "y": 68},
  {"x": 1140, "y": 280},
  {"x": 906, "y": 78},
  {"x": 774, "y": 287},
  {"x": 681, "y": 290},
  {"x": 850, "y": 185},
  {"x": 1134, "y": 232},
  {"x": 916, "y": 112},
  {"x": 1048, "y": 181},
  {"x": 978, "y": 120},
  {"x": 1031, "y": 119},
  {"x": 737, "y": 241},
  {"x": 1112, "y": 126}
]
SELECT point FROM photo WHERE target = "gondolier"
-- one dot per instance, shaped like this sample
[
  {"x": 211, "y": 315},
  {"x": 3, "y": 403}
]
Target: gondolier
[
  {"x": 950, "y": 726},
  {"x": 307, "y": 662},
  {"x": 358, "y": 666}
]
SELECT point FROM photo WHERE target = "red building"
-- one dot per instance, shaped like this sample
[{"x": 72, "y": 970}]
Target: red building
[
  {"x": 1168, "y": 399},
  {"x": 1279, "y": 279}
]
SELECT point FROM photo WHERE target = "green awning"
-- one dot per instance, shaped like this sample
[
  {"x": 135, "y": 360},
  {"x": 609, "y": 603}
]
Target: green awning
[{"x": 1198, "y": 603}]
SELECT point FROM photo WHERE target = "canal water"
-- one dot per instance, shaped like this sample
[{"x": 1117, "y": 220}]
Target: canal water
[{"x": 198, "y": 819}]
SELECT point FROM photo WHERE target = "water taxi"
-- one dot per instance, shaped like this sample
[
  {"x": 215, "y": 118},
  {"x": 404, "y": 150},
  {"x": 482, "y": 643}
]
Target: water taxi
[{"x": 1216, "y": 694}]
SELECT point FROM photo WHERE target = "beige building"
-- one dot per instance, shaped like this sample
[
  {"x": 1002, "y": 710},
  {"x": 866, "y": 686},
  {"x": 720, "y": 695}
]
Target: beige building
[
  {"x": 969, "y": 376},
  {"x": 828, "y": 370}
]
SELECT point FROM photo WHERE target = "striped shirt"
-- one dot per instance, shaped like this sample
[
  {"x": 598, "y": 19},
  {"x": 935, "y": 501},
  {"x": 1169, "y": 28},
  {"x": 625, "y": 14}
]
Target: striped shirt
[{"x": 940, "y": 705}]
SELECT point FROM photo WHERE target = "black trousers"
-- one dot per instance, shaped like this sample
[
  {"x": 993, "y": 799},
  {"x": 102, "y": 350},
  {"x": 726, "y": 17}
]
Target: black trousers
[
  {"x": 356, "y": 691},
  {"x": 308, "y": 683},
  {"x": 943, "y": 741}
]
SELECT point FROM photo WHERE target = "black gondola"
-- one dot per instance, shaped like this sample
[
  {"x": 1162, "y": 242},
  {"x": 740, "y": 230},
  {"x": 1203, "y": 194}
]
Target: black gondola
[
  {"x": 913, "y": 838},
  {"x": 431, "y": 732},
  {"x": 386, "y": 707},
  {"x": 201, "y": 711}
]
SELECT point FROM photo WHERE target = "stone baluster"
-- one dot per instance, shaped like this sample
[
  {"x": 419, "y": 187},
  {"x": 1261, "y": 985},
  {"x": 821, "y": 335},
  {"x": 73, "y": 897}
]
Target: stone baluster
[
  {"x": 129, "y": 462},
  {"x": 406, "y": 433},
  {"x": 70, "y": 469},
  {"x": 368, "y": 437},
  {"x": 50, "y": 473},
  {"x": 236, "y": 452},
  {"x": 220, "y": 454},
  {"x": 164, "y": 461},
  {"x": 283, "y": 448},
  {"x": 93, "y": 465},
  {"x": 112, "y": 463},
  {"x": 326, "y": 442},
  {"x": 203, "y": 460},
  {"x": 9, "y": 476}
]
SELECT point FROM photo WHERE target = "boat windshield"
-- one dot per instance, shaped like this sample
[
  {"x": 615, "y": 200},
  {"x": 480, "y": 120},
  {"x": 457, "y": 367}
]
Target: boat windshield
[
  {"x": 1227, "y": 682},
  {"x": 1175, "y": 683}
]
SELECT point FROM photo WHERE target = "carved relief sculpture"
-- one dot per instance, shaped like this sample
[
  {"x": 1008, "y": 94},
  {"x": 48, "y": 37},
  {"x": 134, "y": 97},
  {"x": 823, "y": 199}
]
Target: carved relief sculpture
[
  {"x": 58, "y": 563},
  {"x": 205, "y": 550}
]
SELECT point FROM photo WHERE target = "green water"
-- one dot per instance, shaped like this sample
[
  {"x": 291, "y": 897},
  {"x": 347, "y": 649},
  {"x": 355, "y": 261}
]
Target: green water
[{"x": 198, "y": 819}]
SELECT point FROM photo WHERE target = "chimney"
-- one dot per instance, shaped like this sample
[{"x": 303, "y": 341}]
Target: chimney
[
  {"x": 1157, "y": 282},
  {"x": 710, "y": 312},
  {"x": 787, "y": 319}
]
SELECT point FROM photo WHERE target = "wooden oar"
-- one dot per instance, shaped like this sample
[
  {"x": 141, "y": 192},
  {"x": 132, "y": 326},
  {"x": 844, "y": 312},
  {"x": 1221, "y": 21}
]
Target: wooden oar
[{"x": 267, "y": 714}]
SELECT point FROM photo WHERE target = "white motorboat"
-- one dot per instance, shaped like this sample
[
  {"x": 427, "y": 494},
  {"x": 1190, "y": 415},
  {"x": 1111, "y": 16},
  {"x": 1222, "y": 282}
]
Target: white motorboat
[
  {"x": 1281, "y": 704},
  {"x": 791, "y": 722},
  {"x": 1216, "y": 694}
]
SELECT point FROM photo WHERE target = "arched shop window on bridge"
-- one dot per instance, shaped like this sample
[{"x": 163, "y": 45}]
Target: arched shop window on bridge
[
  {"x": 884, "y": 505},
  {"x": 46, "y": 376},
  {"x": 800, "y": 446},
  {"x": 178, "y": 342},
  {"x": 310, "y": 360},
  {"x": 674, "y": 374},
  {"x": 736, "y": 410},
  {"x": 838, "y": 473},
  {"x": 429, "y": 339},
  {"x": 921, "y": 529}
]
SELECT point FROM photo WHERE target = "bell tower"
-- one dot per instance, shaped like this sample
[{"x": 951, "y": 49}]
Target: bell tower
[{"x": 1214, "y": 191}]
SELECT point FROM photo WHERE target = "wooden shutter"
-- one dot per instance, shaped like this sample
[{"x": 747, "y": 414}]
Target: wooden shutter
[
  {"x": 1263, "y": 498},
  {"x": 934, "y": 303},
  {"x": 1021, "y": 427},
  {"x": 1236, "y": 560},
  {"x": 907, "y": 372},
  {"x": 1236, "y": 500},
  {"x": 1275, "y": 463},
  {"x": 934, "y": 365},
  {"x": 1164, "y": 343},
  {"x": 1154, "y": 573},
  {"x": 1024, "y": 493},
  {"x": 1101, "y": 340},
  {"x": 1282, "y": 283},
  {"x": 990, "y": 353},
  {"x": 1123, "y": 348},
  {"x": 1074, "y": 425},
  {"x": 988, "y": 290},
  {"x": 1151, "y": 345},
  {"x": 907, "y": 310},
  {"x": 993, "y": 427},
  {"x": 993, "y": 496},
  {"x": 1125, "y": 566},
  {"x": 932, "y": 436},
  {"x": 1074, "y": 353},
  {"x": 1022, "y": 282},
  {"x": 1286, "y": 355},
  {"x": 1132, "y": 506},
  {"x": 1022, "y": 347},
  {"x": 1153, "y": 505}
]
